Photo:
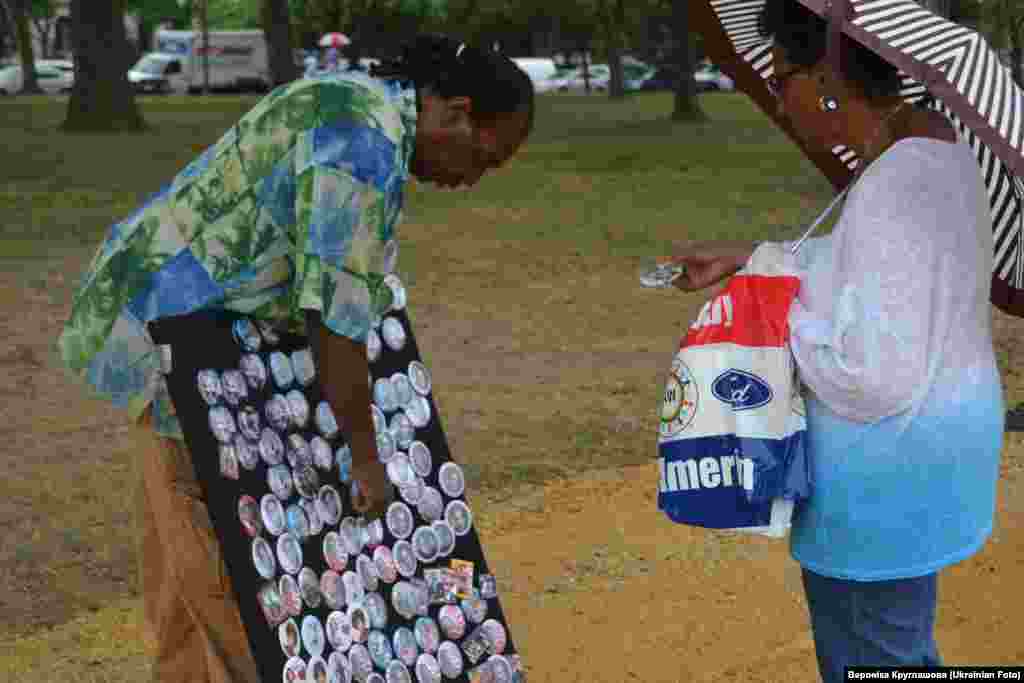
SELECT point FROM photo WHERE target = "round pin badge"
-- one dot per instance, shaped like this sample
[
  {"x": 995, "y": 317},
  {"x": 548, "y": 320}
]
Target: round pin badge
[
  {"x": 377, "y": 608},
  {"x": 339, "y": 631},
  {"x": 302, "y": 364},
  {"x": 307, "y": 481},
  {"x": 375, "y": 677},
  {"x": 313, "y": 636},
  {"x": 249, "y": 423},
  {"x": 413, "y": 493},
  {"x": 271, "y": 447},
  {"x": 501, "y": 669},
  {"x": 398, "y": 294},
  {"x": 350, "y": 536},
  {"x": 272, "y": 513},
  {"x": 380, "y": 649},
  {"x": 317, "y": 670},
  {"x": 254, "y": 370},
  {"x": 427, "y": 669},
  {"x": 496, "y": 634},
  {"x": 475, "y": 609},
  {"x": 453, "y": 621},
  {"x": 359, "y": 618},
  {"x": 400, "y": 470},
  {"x": 343, "y": 459},
  {"x": 281, "y": 370},
  {"x": 399, "y": 520},
  {"x": 418, "y": 411},
  {"x": 278, "y": 412},
  {"x": 208, "y": 383},
  {"x": 428, "y": 636},
  {"x": 263, "y": 558},
  {"x": 384, "y": 395},
  {"x": 248, "y": 452},
  {"x": 449, "y": 657},
  {"x": 397, "y": 672},
  {"x": 299, "y": 408},
  {"x": 222, "y": 424},
  {"x": 249, "y": 516},
  {"x": 333, "y": 589},
  {"x": 405, "y": 558},
  {"x": 323, "y": 456},
  {"x": 402, "y": 429},
  {"x": 424, "y": 543},
  {"x": 459, "y": 517},
  {"x": 290, "y": 596},
  {"x": 334, "y": 552},
  {"x": 380, "y": 423},
  {"x": 419, "y": 456},
  {"x": 419, "y": 376},
  {"x": 451, "y": 479},
  {"x": 270, "y": 604},
  {"x": 235, "y": 387},
  {"x": 326, "y": 422},
  {"x": 431, "y": 506},
  {"x": 385, "y": 446},
  {"x": 316, "y": 522},
  {"x": 294, "y": 671},
  {"x": 385, "y": 561},
  {"x": 445, "y": 537},
  {"x": 279, "y": 478},
  {"x": 297, "y": 451},
  {"x": 289, "y": 552},
  {"x": 338, "y": 667},
  {"x": 404, "y": 644},
  {"x": 393, "y": 333},
  {"x": 403, "y": 389},
  {"x": 355, "y": 591},
  {"x": 373, "y": 346},
  {"x": 367, "y": 571},
  {"x": 246, "y": 335},
  {"x": 228, "y": 461},
  {"x": 269, "y": 334},
  {"x": 390, "y": 256},
  {"x": 328, "y": 504},
  {"x": 374, "y": 534},
  {"x": 297, "y": 522},
  {"x": 309, "y": 586}
]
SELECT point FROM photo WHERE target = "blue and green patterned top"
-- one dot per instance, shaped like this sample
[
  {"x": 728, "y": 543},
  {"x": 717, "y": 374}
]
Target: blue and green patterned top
[{"x": 294, "y": 208}]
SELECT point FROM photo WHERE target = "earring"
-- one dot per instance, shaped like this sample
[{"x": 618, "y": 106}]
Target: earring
[{"x": 828, "y": 104}]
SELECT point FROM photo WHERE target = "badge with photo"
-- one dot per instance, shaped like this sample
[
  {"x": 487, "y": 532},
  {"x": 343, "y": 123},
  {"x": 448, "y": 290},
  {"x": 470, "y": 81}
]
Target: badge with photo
[{"x": 324, "y": 595}]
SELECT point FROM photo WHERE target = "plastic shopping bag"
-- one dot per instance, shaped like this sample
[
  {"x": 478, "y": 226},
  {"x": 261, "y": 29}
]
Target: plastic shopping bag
[{"x": 731, "y": 441}]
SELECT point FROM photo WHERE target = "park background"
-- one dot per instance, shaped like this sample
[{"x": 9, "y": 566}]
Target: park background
[{"x": 548, "y": 359}]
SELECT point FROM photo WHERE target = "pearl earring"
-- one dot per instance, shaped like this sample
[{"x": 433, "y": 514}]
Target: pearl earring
[{"x": 828, "y": 104}]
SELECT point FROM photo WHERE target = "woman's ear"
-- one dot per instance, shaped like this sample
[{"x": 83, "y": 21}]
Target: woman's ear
[{"x": 457, "y": 109}]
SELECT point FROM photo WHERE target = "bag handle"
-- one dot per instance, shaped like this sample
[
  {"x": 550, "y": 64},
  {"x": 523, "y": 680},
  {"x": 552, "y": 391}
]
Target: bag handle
[{"x": 825, "y": 214}]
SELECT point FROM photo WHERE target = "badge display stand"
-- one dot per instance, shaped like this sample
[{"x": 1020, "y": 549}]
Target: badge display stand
[{"x": 324, "y": 596}]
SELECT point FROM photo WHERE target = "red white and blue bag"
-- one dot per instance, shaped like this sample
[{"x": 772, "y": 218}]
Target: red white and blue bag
[{"x": 731, "y": 442}]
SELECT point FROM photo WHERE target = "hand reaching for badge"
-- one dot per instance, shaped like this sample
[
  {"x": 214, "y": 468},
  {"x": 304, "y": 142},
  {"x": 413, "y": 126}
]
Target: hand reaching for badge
[
  {"x": 372, "y": 490},
  {"x": 707, "y": 263}
]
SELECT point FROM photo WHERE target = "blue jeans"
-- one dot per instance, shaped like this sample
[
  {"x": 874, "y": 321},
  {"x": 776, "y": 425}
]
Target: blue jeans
[{"x": 871, "y": 623}]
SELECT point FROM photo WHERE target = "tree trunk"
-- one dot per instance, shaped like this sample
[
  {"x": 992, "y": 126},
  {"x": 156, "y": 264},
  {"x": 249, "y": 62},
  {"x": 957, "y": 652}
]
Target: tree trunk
[
  {"x": 686, "y": 105},
  {"x": 277, "y": 29},
  {"x": 615, "y": 26},
  {"x": 102, "y": 100},
  {"x": 22, "y": 26},
  {"x": 6, "y": 29}
]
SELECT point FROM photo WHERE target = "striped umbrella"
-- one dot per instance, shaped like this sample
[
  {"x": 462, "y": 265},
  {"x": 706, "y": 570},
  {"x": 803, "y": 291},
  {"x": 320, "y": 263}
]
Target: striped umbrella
[{"x": 952, "y": 63}]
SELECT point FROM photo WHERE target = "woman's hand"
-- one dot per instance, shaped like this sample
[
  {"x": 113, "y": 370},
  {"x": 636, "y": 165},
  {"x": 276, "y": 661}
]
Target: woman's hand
[
  {"x": 708, "y": 263},
  {"x": 375, "y": 490}
]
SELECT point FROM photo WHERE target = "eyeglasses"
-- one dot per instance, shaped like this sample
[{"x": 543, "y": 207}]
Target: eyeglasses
[{"x": 775, "y": 82}]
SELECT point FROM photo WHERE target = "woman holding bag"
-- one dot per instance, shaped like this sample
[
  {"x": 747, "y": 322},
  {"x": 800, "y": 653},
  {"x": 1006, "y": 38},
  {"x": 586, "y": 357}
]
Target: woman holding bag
[{"x": 891, "y": 334}]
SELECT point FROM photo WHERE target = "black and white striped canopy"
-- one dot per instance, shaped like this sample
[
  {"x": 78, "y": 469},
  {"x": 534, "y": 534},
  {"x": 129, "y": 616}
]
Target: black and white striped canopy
[{"x": 952, "y": 63}]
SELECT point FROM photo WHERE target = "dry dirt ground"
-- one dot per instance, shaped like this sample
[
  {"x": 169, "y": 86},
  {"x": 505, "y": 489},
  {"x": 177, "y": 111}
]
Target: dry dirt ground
[{"x": 597, "y": 585}]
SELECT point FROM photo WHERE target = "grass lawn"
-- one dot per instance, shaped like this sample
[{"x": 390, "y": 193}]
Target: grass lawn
[{"x": 538, "y": 262}]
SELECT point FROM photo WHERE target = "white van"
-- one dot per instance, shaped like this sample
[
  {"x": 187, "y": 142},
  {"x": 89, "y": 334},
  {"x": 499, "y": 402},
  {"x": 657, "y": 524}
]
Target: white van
[
  {"x": 540, "y": 70},
  {"x": 238, "y": 59}
]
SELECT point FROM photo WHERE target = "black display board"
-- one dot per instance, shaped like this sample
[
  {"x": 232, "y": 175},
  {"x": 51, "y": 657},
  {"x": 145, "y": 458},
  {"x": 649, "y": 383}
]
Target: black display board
[{"x": 207, "y": 349}]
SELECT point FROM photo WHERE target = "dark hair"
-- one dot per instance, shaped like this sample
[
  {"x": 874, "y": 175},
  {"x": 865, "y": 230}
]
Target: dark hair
[
  {"x": 450, "y": 68},
  {"x": 804, "y": 35}
]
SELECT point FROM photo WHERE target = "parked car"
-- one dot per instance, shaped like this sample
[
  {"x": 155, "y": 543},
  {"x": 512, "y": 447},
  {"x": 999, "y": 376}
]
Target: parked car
[
  {"x": 599, "y": 74},
  {"x": 50, "y": 79},
  {"x": 539, "y": 69},
  {"x": 710, "y": 77},
  {"x": 65, "y": 65}
]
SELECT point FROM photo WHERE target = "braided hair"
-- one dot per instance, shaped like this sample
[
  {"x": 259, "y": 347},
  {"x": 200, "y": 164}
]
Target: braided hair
[{"x": 449, "y": 68}]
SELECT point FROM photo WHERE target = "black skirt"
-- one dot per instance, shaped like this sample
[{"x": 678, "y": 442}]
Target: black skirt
[{"x": 322, "y": 594}]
